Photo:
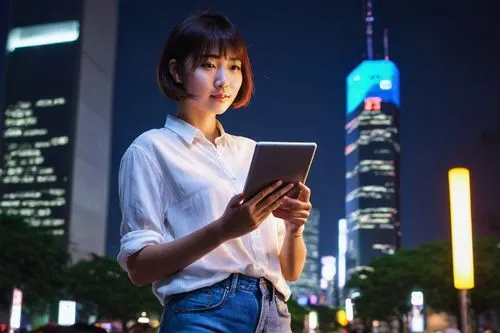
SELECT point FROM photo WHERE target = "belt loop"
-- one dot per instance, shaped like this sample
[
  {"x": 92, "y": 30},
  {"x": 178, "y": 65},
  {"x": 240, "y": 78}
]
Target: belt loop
[
  {"x": 262, "y": 283},
  {"x": 234, "y": 283},
  {"x": 273, "y": 290}
]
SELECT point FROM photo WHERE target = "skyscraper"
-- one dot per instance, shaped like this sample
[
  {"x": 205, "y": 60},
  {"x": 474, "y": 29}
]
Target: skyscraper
[
  {"x": 309, "y": 282},
  {"x": 56, "y": 133},
  {"x": 372, "y": 158},
  {"x": 484, "y": 162},
  {"x": 327, "y": 282},
  {"x": 341, "y": 257}
]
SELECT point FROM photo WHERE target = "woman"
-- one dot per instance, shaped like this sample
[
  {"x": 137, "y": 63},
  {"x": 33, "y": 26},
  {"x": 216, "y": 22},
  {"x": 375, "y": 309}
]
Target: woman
[{"x": 216, "y": 264}]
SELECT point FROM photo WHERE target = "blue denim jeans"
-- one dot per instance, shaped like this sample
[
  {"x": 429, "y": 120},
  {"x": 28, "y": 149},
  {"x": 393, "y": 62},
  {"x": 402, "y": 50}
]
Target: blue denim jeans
[{"x": 238, "y": 304}]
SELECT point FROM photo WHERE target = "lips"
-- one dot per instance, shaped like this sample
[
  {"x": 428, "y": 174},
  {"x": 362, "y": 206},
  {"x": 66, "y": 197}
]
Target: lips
[{"x": 221, "y": 96}]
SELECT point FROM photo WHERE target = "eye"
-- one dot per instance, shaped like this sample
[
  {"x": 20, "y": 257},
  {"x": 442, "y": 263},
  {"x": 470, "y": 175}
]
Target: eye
[
  {"x": 236, "y": 68},
  {"x": 207, "y": 65}
]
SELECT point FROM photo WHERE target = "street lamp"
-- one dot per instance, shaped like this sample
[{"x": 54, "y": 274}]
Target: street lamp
[
  {"x": 417, "y": 316},
  {"x": 461, "y": 237},
  {"x": 311, "y": 321}
]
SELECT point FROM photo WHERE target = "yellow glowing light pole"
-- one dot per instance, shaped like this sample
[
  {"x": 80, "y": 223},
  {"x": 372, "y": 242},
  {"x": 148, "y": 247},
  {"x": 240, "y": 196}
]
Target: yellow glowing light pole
[{"x": 461, "y": 238}]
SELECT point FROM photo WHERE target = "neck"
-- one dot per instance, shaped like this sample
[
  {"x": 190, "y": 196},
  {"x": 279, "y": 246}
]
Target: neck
[{"x": 204, "y": 121}]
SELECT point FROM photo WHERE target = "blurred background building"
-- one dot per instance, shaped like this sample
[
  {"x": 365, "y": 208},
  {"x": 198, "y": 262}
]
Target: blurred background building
[
  {"x": 372, "y": 154},
  {"x": 306, "y": 289},
  {"x": 57, "y": 113}
]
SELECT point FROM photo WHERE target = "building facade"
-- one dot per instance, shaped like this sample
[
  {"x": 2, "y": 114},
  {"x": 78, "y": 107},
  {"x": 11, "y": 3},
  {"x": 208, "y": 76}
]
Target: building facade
[
  {"x": 306, "y": 289},
  {"x": 372, "y": 163},
  {"x": 57, "y": 111}
]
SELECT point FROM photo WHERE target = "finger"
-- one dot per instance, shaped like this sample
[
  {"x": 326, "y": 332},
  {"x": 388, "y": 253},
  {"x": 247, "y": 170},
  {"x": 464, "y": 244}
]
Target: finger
[
  {"x": 296, "y": 204},
  {"x": 303, "y": 213},
  {"x": 270, "y": 208},
  {"x": 295, "y": 221},
  {"x": 236, "y": 200},
  {"x": 264, "y": 193},
  {"x": 277, "y": 195},
  {"x": 286, "y": 215},
  {"x": 305, "y": 192}
]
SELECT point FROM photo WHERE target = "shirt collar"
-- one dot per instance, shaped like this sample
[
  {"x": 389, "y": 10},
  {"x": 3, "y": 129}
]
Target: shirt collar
[{"x": 188, "y": 132}]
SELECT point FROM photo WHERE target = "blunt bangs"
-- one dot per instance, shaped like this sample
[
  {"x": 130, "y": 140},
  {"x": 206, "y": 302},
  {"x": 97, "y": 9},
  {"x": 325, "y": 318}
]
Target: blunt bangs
[{"x": 220, "y": 36}]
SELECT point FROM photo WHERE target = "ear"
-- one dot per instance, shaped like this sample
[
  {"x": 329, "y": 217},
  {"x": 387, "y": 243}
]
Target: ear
[{"x": 174, "y": 69}]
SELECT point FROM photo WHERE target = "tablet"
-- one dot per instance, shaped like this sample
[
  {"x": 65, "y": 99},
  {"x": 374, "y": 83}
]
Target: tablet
[{"x": 272, "y": 161}]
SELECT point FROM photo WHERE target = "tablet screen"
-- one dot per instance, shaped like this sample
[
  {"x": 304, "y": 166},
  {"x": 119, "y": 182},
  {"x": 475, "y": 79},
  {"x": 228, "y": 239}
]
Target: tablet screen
[{"x": 289, "y": 162}]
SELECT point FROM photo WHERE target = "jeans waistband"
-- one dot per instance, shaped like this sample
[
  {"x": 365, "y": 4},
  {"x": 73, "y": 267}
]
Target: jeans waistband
[
  {"x": 235, "y": 282},
  {"x": 238, "y": 281}
]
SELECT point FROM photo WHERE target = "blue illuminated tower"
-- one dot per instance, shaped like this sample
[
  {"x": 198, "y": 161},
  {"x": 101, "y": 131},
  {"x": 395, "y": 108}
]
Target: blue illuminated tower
[{"x": 372, "y": 157}]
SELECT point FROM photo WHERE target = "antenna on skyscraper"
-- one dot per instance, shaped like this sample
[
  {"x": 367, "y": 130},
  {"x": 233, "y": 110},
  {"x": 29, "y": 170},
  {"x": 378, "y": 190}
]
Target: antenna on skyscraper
[
  {"x": 369, "y": 19},
  {"x": 386, "y": 44}
]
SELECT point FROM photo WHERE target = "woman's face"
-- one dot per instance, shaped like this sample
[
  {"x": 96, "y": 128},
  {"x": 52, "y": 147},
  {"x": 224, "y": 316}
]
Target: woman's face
[{"x": 214, "y": 84}]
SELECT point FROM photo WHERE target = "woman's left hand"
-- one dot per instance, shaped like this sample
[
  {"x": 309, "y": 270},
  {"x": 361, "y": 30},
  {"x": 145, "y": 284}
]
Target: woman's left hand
[{"x": 295, "y": 211}]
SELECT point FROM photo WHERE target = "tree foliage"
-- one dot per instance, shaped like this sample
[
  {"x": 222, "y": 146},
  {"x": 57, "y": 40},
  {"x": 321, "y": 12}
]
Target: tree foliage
[
  {"x": 31, "y": 260},
  {"x": 385, "y": 290},
  {"x": 102, "y": 282},
  {"x": 298, "y": 315}
]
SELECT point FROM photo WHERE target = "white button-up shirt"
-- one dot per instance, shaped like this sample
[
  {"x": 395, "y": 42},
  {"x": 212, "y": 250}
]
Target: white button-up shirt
[{"x": 172, "y": 182}]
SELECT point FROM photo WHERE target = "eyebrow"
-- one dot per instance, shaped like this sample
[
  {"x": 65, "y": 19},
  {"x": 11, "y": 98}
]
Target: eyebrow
[{"x": 217, "y": 56}]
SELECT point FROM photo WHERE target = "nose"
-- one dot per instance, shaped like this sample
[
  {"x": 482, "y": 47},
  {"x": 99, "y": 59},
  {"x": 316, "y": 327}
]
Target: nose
[{"x": 221, "y": 79}]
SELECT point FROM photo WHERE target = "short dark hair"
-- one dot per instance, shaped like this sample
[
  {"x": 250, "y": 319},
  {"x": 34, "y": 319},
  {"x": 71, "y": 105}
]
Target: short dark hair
[{"x": 196, "y": 36}]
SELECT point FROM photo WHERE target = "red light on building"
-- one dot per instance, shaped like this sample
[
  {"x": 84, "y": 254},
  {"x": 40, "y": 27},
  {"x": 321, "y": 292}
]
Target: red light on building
[{"x": 373, "y": 103}]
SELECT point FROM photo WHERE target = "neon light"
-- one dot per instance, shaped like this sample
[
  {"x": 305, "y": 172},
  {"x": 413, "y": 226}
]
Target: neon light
[
  {"x": 15, "y": 312},
  {"x": 349, "y": 309},
  {"x": 385, "y": 84},
  {"x": 342, "y": 252},
  {"x": 328, "y": 266},
  {"x": 342, "y": 317},
  {"x": 350, "y": 148},
  {"x": 461, "y": 228},
  {"x": 67, "y": 313},
  {"x": 417, "y": 323},
  {"x": 44, "y": 34},
  {"x": 372, "y": 78},
  {"x": 373, "y": 103},
  {"x": 417, "y": 298},
  {"x": 313, "y": 320}
]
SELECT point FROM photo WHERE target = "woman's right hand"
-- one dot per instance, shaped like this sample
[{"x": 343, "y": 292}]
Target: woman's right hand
[{"x": 241, "y": 218}]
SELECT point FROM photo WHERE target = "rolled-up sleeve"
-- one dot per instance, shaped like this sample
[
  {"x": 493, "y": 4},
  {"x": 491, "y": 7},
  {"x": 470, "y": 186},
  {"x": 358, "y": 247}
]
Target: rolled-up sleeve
[{"x": 142, "y": 202}]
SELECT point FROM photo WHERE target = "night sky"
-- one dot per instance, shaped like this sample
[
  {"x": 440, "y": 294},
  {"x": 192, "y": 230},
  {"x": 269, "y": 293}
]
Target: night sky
[{"x": 447, "y": 52}]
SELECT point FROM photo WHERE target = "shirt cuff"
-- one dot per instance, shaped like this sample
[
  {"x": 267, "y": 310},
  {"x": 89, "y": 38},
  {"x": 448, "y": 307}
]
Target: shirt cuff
[{"x": 134, "y": 241}]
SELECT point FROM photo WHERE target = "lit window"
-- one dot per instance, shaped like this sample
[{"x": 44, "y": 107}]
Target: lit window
[{"x": 44, "y": 34}]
